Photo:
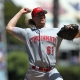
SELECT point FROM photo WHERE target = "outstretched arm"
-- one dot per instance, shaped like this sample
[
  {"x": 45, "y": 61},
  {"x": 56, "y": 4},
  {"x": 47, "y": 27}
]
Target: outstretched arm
[{"x": 14, "y": 20}]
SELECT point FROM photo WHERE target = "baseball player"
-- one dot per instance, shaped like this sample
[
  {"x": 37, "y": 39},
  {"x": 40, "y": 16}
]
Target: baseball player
[{"x": 41, "y": 44}]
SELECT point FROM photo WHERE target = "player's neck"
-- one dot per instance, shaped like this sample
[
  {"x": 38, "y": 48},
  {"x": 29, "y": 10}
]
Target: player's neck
[{"x": 40, "y": 26}]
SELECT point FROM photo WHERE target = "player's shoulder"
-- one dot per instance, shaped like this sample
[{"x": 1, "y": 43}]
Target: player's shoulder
[
  {"x": 53, "y": 29},
  {"x": 27, "y": 29},
  {"x": 44, "y": 29}
]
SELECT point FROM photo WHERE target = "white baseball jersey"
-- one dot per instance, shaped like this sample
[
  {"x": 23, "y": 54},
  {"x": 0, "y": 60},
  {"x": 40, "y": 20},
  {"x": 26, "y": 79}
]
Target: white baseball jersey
[{"x": 41, "y": 44}]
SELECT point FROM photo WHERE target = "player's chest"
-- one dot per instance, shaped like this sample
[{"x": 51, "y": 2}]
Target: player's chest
[
  {"x": 42, "y": 33},
  {"x": 43, "y": 36}
]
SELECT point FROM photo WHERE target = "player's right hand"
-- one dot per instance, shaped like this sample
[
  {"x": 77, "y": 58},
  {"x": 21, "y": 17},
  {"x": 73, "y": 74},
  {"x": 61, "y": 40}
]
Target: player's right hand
[{"x": 25, "y": 10}]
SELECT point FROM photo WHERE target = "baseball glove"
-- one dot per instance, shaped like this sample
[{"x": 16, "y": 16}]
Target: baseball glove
[{"x": 68, "y": 31}]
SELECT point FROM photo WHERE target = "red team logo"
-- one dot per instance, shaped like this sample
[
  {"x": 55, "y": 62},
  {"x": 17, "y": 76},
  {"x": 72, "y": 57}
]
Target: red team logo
[{"x": 49, "y": 49}]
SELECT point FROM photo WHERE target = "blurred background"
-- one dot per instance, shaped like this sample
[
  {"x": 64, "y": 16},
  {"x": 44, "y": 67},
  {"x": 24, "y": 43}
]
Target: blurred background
[{"x": 13, "y": 57}]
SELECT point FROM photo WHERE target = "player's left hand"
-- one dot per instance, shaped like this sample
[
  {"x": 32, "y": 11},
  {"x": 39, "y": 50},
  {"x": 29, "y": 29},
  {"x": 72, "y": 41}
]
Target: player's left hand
[{"x": 68, "y": 31}]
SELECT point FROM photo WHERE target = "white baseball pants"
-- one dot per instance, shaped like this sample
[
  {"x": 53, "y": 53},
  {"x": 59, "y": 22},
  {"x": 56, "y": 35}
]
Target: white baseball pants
[{"x": 39, "y": 75}]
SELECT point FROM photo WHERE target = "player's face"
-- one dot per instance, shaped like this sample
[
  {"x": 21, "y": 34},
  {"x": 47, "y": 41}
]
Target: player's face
[{"x": 39, "y": 18}]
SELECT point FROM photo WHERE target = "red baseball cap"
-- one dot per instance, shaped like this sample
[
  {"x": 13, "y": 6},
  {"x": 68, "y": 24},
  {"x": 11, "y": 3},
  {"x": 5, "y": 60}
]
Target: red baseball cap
[{"x": 37, "y": 10}]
